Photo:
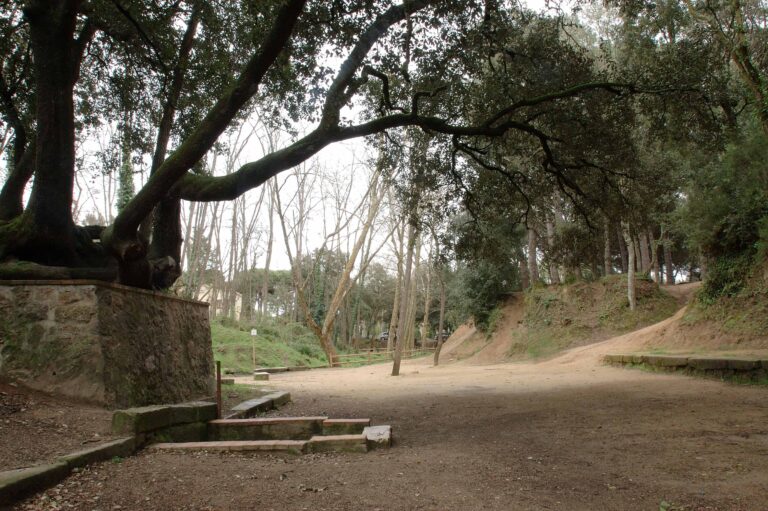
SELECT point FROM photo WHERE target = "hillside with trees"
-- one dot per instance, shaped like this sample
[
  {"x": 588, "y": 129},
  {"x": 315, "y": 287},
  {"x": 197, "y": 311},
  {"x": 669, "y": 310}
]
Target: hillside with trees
[{"x": 177, "y": 146}]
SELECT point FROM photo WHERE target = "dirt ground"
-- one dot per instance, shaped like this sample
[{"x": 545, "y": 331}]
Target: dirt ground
[
  {"x": 567, "y": 434},
  {"x": 36, "y": 428}
]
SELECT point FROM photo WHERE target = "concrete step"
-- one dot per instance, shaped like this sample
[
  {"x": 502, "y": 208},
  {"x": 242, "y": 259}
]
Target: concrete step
[
  {"x": 337, "y": 443},
  {"x": 378, "y": 437},
  {"x": 250, "y": 408},
  {"x": 260, "y": 376},
  {"x": 291, "y": 446},
  {"x": 274, "y": 428},
  {"x": 345, "y": 426}
]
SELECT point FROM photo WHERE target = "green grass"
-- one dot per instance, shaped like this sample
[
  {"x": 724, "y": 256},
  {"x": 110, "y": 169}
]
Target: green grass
[{"x": 276, "y": 345}]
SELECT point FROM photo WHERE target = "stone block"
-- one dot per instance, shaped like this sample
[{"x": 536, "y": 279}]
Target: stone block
[
  {"x": 707, "y": 364},
  {"x": 260, "y": 376},
  {"x": 15, "y": 484},
  {"x": 253, "y": 406},
  {"x": 279, "y": 398},
  {"x": 378, "y": 437},
  {"x": 122, "y": 447},
  {"x": 743, "y": 365},
  {"x": 192, "y": 432},
  {"x": 291, "y": 446},
  {"x": 141, "y": 420},
  {"x": 194, "y": 411},
  {"x": 338, "y": 443},
  {"x": 345, "y": 426},
  {"x": 270, "y": 370},
  {"x": 277, "y": 428}
]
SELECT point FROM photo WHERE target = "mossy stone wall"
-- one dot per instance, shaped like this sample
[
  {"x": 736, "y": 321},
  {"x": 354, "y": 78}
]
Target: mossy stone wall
[{"x": 105, "y": 343}]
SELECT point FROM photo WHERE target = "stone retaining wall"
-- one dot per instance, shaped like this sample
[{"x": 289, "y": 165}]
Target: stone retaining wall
[
  {"x": 110, "y": 344},
  {"x": 739, "y": 369}
]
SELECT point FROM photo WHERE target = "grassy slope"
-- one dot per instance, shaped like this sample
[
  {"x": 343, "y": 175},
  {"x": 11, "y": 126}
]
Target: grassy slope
[
  {"x": 276, "y": 345},
  {"x": 561, "y": 317}
]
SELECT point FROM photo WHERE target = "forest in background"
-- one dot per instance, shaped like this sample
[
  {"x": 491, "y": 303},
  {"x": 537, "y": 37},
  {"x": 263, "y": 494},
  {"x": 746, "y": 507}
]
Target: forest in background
[{"x": 530, "y": 149}]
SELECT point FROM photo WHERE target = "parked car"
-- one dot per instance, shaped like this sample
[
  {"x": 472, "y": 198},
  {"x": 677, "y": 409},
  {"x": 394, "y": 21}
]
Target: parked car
[{"x": 383, "y": 337}]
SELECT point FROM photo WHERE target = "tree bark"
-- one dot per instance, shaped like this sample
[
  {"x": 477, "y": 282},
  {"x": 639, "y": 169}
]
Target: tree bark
[
  {"x": 48, "y": 234},
  {"x": 533, "y": 266},
  {"x": 670, "y": 270},
  {"x": 404, "y": 299},
  {"x": 554, "y": 273},
  {"x": 631, "y": 266},
  {"x": 645, "y": 254},
  {"x": 607, "y": 266},
  {"x": 441, "y": 322},
  {"x": 622, "y": 250}
]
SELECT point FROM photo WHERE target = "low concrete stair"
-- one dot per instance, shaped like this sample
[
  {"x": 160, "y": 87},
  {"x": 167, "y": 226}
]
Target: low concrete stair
[
  {"x": 293, "y": 428},
  {"x": 290, "y": 446}
]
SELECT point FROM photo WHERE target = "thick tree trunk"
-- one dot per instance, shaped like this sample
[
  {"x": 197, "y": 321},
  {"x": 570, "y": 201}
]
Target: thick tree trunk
[
  {"x": 268, "y": 256},
  {"x": 12, "y": 194},
  {"x": 394, "y": 320},
  {"x": 47, "y": 229},
  {"x": 412, "y": 298},
  {"x": 404, "y": 299},
  {"x": 533, "y": 266}
]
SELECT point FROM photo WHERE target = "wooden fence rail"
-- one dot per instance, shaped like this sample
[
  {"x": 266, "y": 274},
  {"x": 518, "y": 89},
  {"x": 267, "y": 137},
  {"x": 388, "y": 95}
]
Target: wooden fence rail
[{"x": 369, "y": 356}]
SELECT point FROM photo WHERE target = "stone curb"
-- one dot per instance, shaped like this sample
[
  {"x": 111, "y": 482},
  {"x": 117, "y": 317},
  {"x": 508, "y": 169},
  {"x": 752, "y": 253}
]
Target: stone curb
[
  {"x": 378, "y": 437},
  {"x": 16, "y": 484}
]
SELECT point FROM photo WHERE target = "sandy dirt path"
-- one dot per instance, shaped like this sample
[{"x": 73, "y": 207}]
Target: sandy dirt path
[{"x": 566, "y": 434}]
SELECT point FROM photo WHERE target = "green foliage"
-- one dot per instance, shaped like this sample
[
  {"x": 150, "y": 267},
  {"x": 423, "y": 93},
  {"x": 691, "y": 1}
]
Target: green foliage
[{"x": 480, "y": 287}]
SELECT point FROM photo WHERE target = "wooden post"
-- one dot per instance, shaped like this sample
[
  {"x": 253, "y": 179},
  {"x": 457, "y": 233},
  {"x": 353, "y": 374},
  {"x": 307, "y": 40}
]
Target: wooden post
[{"x": 218, "y": 388}]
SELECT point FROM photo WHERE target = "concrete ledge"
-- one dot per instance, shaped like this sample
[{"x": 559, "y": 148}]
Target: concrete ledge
[
  {"x": 15, "y": 484},
  {"x": 708, "y": 364},
  {"x": 122, "y": 447},
  {"x": 292, "y": 446},
  {"x": 250, "y": 408},
  {"x": 145, "y": 419},
  {"x": 279, "y": 398},
  {"x": 345, "y": 426},
  {"x": 378, "y": 437},
  {"x": 260, "y": 376},
  {"x": 293, "y": 428},
  {"x": 338, "y": 443}
]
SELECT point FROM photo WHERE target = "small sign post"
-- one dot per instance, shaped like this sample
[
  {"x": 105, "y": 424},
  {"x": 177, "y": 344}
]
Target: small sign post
[{"x": 254, "y": 333}]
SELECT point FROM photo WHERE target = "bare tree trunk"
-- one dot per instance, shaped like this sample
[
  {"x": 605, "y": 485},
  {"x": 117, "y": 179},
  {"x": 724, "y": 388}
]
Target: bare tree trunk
[
  {"x": 270, "y": 241},
  {"x": 441, "y": 321},
  {"x": 412, "y": 299},
  {"x": 654, "y": 268},
  {"x": 631, "y": 266},
  {"x": 607, "y": 267},
  {"x": 399, "y": 249},
  {"x": 533, "y": 267},
  {"x": 401, "y": 325},
  {"x": 638, "y": 255},
  {"x": 670, "y": 270},
  {"x": 427, "y": 299},
  {"x": 525, "y": 283},
  {"x": 622, "y": 250},
  {"x": 554, "y": 274},
  {"x": 645, "y": 254}
]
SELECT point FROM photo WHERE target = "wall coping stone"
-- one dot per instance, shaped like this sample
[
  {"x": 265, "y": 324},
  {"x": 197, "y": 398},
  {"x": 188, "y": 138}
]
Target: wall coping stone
[{"x": 100, "y": 283}]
